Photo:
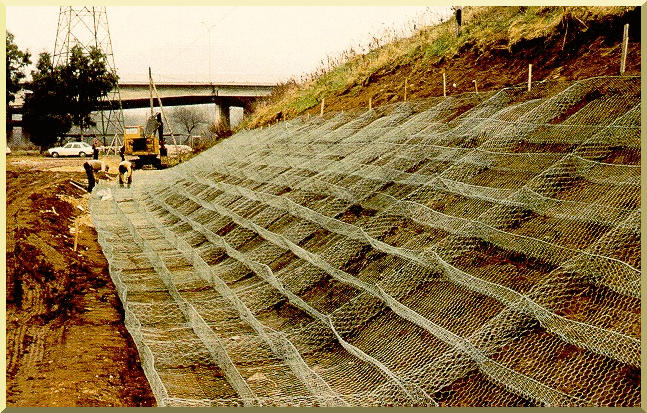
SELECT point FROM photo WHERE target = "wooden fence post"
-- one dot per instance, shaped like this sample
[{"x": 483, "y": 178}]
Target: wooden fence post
[
  {"x": 322, "y": 106},
  {"x": 476, "y": 88},
  {"x": 76, "y": 234},
  {"x": 370, "y": 103},
  {"x": 405, "y": 89},
  {"x": 444, "y": 85},
  {"x": 625, "y": 44},
  {"x": 529, "y": 76}
]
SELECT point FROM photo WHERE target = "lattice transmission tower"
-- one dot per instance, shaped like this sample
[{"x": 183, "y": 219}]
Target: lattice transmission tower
[{"x": 88, "y": 27}]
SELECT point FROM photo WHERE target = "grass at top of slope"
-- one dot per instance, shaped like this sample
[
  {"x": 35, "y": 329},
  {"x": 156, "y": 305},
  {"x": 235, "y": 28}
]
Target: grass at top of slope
[{"x": 485, "y": 30}]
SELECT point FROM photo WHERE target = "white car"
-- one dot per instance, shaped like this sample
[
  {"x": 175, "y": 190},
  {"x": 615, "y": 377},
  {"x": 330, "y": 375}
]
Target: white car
[{"x": 81, "y": 149}]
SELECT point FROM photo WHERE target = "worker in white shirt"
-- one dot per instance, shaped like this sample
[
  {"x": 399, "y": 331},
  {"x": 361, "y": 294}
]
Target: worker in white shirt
[{"x": 125, "y": 172}]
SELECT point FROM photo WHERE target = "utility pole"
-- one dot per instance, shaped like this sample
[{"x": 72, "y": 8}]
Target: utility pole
[
  {"x": 213, "y": 90},
  {"x": 210, "y": 79},
  {"x": 150, "y": 88},
  {"x": 87, "y": 27},
  {"x": 209, "y": 49}
]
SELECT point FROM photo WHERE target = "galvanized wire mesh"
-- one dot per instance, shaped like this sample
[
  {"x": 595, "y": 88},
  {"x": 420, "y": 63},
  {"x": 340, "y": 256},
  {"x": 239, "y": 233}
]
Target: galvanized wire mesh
[{"x": 479, "y": 250}]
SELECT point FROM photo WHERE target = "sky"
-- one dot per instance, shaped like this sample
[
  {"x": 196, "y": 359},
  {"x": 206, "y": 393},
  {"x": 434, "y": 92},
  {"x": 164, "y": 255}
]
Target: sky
[{"x": 248, "y": 44}]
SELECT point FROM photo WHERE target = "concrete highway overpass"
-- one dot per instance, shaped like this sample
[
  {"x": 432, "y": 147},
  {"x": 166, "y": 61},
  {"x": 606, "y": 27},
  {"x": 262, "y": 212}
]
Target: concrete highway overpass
[{"x": 223, "y": 95}]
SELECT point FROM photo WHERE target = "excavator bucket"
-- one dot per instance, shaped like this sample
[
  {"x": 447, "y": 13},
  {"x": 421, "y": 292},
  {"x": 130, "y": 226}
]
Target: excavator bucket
[{"x": 151, "y": 126}]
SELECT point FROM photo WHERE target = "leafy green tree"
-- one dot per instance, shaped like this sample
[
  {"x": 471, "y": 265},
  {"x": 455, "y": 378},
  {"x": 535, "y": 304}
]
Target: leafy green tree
[
  {"x": 65, "y": 95},
  {"x": 87, "y": 79},
  {"x": 16, "y": 62},
  {"x": 45, "y": 116}
]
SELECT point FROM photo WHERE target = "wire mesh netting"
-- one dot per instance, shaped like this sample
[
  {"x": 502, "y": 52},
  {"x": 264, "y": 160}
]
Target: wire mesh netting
[{"x": 475, "y": 250}]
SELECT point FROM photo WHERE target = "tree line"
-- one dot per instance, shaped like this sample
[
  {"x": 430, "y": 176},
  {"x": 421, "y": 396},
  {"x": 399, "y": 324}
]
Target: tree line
[
  {"x": 58, "y": 96},
  {"x": 61, "y": 96}
]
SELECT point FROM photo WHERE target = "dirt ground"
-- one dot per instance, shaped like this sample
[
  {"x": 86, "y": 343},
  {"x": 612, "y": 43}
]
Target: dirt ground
[{"x": 66, "y": 341}]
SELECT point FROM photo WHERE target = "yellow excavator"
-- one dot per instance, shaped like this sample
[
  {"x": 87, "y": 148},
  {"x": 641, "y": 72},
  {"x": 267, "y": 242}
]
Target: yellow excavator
[{"x": 141, "y": 141}]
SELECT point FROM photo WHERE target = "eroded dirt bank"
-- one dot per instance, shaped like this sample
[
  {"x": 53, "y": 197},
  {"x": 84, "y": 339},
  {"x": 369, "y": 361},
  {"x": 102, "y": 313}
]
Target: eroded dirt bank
[{"x": 66, "y": 341}]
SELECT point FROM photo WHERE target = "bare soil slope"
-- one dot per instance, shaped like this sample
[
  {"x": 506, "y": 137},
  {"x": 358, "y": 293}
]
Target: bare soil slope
[
  {"x": 66, "y": 342},
  {"x": 571, "y": 50}
]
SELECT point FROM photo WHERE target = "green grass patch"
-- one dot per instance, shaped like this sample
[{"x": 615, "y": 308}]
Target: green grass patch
[{"x": 483, "y": 28}]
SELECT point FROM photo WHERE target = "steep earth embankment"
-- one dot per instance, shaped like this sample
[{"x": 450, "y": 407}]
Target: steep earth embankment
[
  {"x": 474, "y": 250},
  {"x": 494, "y": 49}
]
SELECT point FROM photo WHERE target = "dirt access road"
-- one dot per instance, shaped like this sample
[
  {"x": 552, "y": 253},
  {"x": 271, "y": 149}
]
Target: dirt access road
[{"x": 66, "y": 341}]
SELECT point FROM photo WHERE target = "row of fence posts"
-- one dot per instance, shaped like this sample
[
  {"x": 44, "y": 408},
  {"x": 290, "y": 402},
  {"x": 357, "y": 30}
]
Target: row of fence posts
[{"x": 623, "y": 60}]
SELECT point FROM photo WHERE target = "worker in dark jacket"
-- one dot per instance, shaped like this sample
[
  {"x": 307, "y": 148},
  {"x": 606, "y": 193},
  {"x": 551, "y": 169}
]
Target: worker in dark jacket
[
  {"x": 92, "y": 168},
  {"x": 160, "y": 131},
  {"x": 95, "y": 149}
]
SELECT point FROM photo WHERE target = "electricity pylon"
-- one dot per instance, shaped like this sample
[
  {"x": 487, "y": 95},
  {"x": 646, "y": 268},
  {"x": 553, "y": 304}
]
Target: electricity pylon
[{"x": 87, "y": 27}]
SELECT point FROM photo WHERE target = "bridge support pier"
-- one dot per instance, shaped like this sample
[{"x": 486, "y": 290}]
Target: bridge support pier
[
  {"x": 247, "y": 110},
  {"x": 222, "y": 116}
]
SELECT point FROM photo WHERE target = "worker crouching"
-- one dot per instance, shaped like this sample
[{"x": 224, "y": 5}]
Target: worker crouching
[
  {"x": 92, "y": 169},
  {"x": 125, "y": 173},
  {"x": 125, "y": 170}
]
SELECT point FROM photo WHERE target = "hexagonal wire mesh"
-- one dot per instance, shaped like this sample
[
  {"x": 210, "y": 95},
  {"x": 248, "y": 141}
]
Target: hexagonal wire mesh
[{"x": 480, "y": 249}]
